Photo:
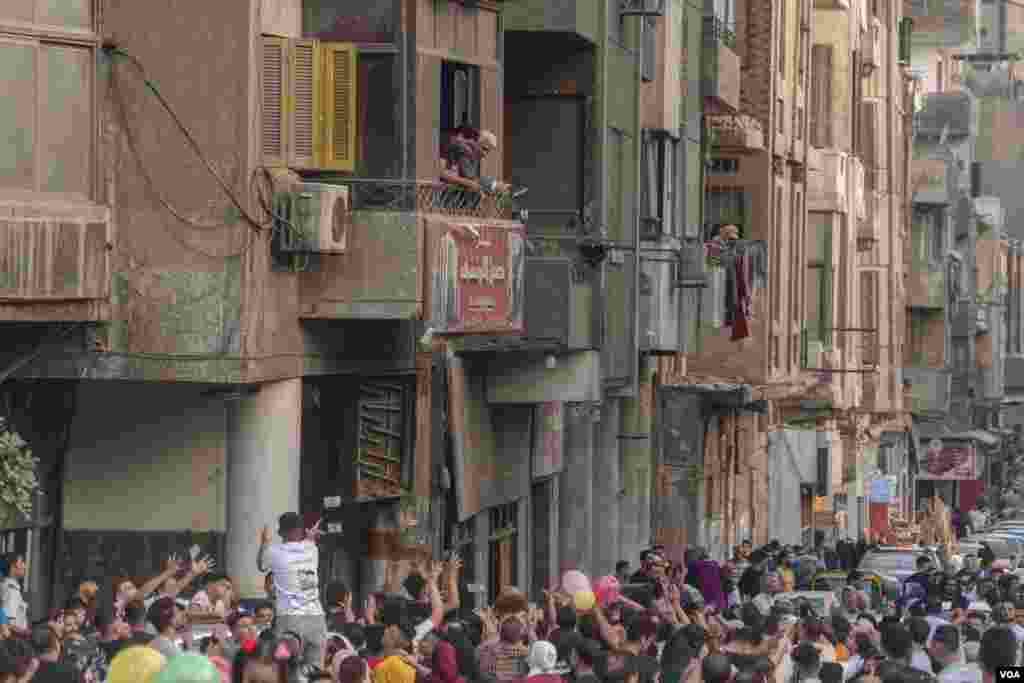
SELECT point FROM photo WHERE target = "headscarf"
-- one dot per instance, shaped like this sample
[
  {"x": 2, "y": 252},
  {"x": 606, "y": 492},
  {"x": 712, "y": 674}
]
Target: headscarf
[
  {"x": 223, "y": 668},
  {"x": 542, "y": 659},
  {"x": 341, "y": 655}
]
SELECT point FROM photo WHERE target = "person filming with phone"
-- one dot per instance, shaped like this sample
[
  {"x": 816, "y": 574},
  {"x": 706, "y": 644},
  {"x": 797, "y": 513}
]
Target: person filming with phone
[{"x": 294, "y": 565}]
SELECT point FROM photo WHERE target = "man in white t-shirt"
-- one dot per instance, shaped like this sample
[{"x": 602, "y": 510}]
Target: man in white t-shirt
[{"x": 295, "y": 564}]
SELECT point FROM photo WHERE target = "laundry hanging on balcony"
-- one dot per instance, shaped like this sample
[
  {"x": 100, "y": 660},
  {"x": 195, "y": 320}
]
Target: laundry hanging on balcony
[{"x": 736, "y": 270}]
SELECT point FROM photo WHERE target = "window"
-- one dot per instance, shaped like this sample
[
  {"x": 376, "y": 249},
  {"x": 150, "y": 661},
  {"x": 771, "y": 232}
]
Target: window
[
  {"x": 502, "y": 552},
  {"x": 869, "y": 302},
  {"x": 725, "y": 206},
  {"x": 308, "y": 99},
  {"x": 649, "y": 49},
  {"x": 821, "y": 96},
  {"x": 780, "y": 113},
  {"x": 782, "y": 38},
  {"x": 658, "y": 189},
  {"x": 47, "y": 130},
  {"x": 818, "y": 288},
  {"x": 776, "y": 271},
  {"x": 724, "y": 166},
  {"x": 460, "y": 95}
]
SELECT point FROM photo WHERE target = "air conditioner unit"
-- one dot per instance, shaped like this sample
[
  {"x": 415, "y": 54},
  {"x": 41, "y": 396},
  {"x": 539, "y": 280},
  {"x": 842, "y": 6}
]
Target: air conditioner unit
[
  {"x": 314, "y": 218},
  {"x": 643, "y": 8}
]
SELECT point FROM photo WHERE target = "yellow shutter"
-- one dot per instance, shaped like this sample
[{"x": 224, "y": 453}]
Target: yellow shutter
[
  {"x": 304, "y": 104},
  {"x": 273, "y": 101},
  {"x": 339, "y": 106}
]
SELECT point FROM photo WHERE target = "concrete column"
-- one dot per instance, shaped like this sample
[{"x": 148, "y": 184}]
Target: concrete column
[
  {"x": 576, "y": 499},
  {"x": 263, "y": 442},
  {"x": 607, "y": 485}
]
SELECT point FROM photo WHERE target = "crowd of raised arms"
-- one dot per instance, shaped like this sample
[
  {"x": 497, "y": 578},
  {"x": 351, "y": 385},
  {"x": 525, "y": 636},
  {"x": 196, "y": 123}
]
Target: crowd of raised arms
[{"x": 695, "y": 621}]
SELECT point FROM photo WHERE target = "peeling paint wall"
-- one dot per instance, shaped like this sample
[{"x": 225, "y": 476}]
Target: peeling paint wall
[
  {"x": 179, "y": 281},
  {"x": 160, "y": 455}
]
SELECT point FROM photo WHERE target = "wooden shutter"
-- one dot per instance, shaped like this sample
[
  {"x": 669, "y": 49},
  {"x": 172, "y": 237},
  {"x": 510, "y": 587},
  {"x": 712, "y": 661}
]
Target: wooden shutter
[
  {"x": 869, "y": 316},
  {"x": 304, "y": 104},
  {"x": 825, "y": 294},
  {"x": 274, "y": 101},
  {"x": 821, "y": 96},
  {"x": 339, "y": 106},
  {"x": 868, "y": 145}
]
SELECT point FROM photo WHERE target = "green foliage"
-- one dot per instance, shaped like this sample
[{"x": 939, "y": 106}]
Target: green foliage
[{"x": 18, "y": 482}]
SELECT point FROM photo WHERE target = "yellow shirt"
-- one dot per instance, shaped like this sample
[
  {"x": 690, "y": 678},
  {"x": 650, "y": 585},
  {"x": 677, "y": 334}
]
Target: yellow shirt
[{"x": 394, "y": 670}]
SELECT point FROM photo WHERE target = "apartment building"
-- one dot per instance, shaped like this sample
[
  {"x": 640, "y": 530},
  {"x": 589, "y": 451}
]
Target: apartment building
[
  {"x": 234, "y": 283},
  {"x": 809, "y": 163}
]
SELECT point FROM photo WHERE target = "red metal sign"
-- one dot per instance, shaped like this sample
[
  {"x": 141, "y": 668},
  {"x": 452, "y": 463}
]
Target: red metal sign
[
  {"x": 479, "y": 280},
  {"x": 948, "y": 461}
]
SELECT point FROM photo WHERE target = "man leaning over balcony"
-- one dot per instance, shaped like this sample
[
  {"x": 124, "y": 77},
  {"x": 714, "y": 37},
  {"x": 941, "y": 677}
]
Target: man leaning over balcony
[{"x": 460, "y": 164}]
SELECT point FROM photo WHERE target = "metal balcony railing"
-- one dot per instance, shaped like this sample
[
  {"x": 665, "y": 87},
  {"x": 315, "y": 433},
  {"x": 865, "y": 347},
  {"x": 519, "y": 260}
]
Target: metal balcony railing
[
  {"x": 720, "y": 31},
  {"x": 375, "y": 194}
]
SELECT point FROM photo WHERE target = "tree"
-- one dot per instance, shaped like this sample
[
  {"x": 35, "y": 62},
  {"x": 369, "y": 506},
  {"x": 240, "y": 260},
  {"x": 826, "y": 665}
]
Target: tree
[{"x": 18, "y": 482}]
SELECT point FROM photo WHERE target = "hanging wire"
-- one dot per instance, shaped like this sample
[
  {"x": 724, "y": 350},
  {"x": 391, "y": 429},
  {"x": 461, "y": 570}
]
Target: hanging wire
[
  {"x": 189, "y": 137},
  {"x": 151, "y": 185}
]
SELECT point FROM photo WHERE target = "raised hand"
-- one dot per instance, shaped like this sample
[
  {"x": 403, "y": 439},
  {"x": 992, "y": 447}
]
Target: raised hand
[
  {"x": 265, "y": 535},
  {"x": 203, "y": 565}
]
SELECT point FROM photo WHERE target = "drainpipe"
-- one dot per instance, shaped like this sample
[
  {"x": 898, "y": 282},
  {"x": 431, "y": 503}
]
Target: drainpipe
[{"x": 637, "y": 179}]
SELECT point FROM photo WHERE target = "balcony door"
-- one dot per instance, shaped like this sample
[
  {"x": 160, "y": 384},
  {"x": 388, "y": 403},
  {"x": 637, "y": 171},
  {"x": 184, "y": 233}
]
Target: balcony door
[{"x": 545, "y": 153}]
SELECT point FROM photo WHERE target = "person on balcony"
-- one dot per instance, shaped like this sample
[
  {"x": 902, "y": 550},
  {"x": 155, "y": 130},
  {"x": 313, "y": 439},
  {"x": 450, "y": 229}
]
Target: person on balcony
[{"x": 460, "y": 164}]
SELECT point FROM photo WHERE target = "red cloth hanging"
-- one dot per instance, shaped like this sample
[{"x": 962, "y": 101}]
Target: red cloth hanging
[{"x": 741, "y": 321}]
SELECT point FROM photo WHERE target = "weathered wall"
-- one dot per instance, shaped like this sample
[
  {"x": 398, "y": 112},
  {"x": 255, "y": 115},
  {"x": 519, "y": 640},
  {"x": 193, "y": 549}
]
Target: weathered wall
[
  {"x": 791, "y": 462},
  {"x": 160, "y": 455},
  {"x": 183, "y": 284},
  {"x": 661, "y": 98}
]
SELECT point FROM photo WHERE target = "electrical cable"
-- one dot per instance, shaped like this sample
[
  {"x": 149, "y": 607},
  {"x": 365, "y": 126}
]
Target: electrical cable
[
  {"x": 151, "y": 185},
  {"x": 188, "y": 136}
]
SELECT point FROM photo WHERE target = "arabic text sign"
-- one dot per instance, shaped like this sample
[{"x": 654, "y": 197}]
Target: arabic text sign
[
  {"x": 948, "y": 462},
  {"x": 481, "y": 279}
]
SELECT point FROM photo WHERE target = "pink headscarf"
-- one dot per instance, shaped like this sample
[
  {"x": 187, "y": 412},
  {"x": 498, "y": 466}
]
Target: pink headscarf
[
  {"x": 608, "y": 592},
  {"x": 223, "y": 668},
  {"x": 341, "y": 655}
]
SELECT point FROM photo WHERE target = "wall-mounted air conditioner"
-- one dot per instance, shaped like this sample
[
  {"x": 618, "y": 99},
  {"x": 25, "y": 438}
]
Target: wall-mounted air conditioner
[{"x": 314, "y": 218}]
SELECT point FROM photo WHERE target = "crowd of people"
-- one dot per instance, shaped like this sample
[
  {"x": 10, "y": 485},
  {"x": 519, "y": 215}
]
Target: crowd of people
[{"x": 696, "y": 621}]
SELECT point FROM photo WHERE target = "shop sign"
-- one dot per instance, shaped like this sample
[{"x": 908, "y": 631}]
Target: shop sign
[
  {"x": 549, "y": 440},
  {"x": 478, "y": 280},
  {"x": 948, "y": 461}
]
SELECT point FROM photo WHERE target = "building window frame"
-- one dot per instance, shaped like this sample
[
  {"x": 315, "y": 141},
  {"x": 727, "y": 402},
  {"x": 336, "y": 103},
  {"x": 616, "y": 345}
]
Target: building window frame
[
  {"x": 502, "y": 548},
  {"x": 660, "y": 158},
  {"x": 49, "y": 36}
]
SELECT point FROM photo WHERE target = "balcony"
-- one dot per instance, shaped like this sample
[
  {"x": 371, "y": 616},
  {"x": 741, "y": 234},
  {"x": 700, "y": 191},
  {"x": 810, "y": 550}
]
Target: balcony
[
  {"x": 927, "y": 390},
  {"x": 826, "y": 182},
  {"x": 736, "y": 132},
  {"x": 421, "y": 250},
  {"x": 579, "y": 18},
  {"x": 54, "y": 253},
  {"x": 926, "y": 287},
  {"x": 720, "y": 82},
  {"x": 929, "y": 182}
]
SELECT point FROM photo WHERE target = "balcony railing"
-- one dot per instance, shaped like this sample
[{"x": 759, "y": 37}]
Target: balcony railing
[
  {"x": 737, "y": 131},
  {"x": 373, "y": 194}
]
